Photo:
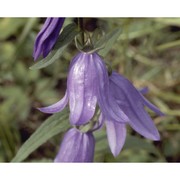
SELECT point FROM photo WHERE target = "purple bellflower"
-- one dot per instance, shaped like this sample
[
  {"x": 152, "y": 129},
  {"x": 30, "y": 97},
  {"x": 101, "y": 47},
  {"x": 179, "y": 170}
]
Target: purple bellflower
[
  {"x": 87, "y": 86},
  {"x": 132, "y": 103},
  {"x": 120, "y": 103},
  {"x": 47, "y": 37},
  {"x": 76, "y": 147}
]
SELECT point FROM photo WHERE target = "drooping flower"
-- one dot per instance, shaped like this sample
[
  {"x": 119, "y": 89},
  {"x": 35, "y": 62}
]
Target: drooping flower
[
  {"x": 132, "y": 103},
  {"x": 47, "y": 37},
  {"x": 87, "y": 86},
  {"x": 76, "y": 147},
  {"x": 120, "y": 103}
]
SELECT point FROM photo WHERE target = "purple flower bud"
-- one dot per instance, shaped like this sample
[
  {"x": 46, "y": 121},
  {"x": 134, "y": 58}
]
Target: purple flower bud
[
  {"x": 87, "y": 86},
  {"x": 47, "y": 37},
  {"x": 76, "y": 147}
]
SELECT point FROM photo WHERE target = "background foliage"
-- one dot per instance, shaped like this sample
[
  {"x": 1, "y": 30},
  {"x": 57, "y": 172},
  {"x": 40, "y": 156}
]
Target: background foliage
[{"x": 147, "y": 52}]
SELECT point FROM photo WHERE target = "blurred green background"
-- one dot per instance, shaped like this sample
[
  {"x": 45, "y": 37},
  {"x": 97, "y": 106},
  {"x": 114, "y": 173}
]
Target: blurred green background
[{"x": 147, "y": 53}]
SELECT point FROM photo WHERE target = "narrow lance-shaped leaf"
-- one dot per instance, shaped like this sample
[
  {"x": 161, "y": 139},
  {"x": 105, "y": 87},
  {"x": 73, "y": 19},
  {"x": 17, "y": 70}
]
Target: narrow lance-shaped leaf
[
  {"x": 52, "y": 126},
  {"x": 65, "y": 38},
  {"x": 133, "y": 142},
  {"x": 109, "y": 39}
]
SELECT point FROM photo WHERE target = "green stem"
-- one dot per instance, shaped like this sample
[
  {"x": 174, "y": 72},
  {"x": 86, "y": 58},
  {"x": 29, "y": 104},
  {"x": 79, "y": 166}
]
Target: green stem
[{"x": 81, "y": 28}]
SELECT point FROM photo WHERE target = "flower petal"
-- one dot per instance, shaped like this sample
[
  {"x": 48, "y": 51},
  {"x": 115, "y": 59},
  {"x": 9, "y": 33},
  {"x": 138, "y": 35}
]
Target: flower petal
[
  {"x": 152, "y": 106},
  {"x": 144, "y": 90},
  {"x": 76, "y": 147},
  {"x": 81, "y": 89},
  {"x": 116, "y": 134},
  {"x": 130, "y": 101},
  {"x": 142, "y": 122},
  {"x": 106, "y": 101},
  {"x": 57, "y": 107}
]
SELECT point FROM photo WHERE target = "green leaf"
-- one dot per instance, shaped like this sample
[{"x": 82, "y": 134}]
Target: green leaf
[
  {"x": 109, "y": 39},
  {"x": 136, "y": 142},
  {"x": 139, "y": 28},
  {"x": 65, "y": 38},
  {"x": 8, "y": 137},
  {"x": 101, "y": 141},
  {"x": 52, "y": 126},
  {"x": 30, "y": 23}
]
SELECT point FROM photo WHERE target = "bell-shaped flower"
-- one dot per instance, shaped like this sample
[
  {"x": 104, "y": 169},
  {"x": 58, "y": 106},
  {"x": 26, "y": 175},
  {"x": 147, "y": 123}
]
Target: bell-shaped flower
[
  {"x": 132, "y": 103},
  {"x": 87, "y": 86},
  {"x": 47, "y": 37},
  {"x": 76, "y": 147}
]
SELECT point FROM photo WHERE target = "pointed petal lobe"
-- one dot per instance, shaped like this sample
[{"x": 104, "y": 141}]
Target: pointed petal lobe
[
  {"x": 152, "y": 106},
  {"x": 144, "y": 90},
  {"x": 57, "y": 107},
  {"x": 116, "y": 134},
  {"x": 130, "y": 101}
]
